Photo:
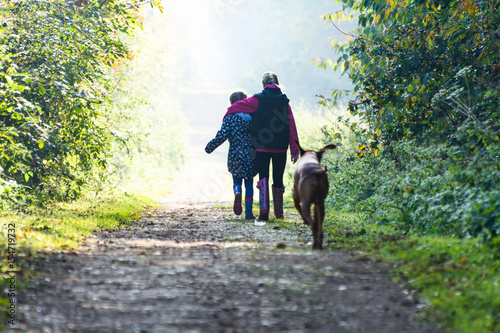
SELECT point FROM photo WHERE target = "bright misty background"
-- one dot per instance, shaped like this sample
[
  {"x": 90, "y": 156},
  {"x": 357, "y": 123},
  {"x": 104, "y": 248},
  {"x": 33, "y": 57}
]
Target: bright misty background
[
  {"x": 195, "y": 54},
  {"x": 228, "y": 44}
]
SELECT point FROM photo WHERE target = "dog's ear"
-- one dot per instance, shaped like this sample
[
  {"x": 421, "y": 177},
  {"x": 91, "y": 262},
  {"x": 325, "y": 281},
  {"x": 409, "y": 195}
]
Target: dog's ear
[
  {"x": 329, "y": 147},
  {"x": 302, "y": 151},
  {"x": 320, "y": 152}
]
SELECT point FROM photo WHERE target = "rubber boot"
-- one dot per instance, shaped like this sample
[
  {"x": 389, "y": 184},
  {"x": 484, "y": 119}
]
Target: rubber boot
[
  {"x": 248, "y": 208},
  {"x": 263, "y": 187},
  {"x": 278, "y": 201},
  {"x": 237, "y": 200}
]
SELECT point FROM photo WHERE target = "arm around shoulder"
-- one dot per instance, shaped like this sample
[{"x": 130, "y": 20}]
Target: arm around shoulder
[{"x": 247, "y": 105}]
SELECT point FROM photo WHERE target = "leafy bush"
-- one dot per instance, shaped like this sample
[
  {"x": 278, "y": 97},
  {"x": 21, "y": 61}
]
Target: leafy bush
[
  {"x": 404, "y": 53},
  {"x": 55, "y": 62},
  {"x": 426, "y": 155},
  {"x": 440, "y": 189}
]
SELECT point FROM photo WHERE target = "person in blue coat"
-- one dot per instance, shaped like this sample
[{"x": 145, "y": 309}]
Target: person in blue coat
[{"x": 236, "y": 128}]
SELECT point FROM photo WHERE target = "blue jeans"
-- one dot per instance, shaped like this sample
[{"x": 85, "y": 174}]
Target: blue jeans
[{"x": 248, "y": 185}]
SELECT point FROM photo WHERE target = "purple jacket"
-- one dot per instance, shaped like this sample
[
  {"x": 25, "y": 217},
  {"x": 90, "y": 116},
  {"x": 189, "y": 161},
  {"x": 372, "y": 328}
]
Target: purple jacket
[{"x": 250, "y": 104}]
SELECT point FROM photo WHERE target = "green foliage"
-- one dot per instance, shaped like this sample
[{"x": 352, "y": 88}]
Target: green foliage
[
  {"x": 53, "y": 78},
  {"x": 424, "y": 189},
  {"x": 424, "y": 156},
  {"x": 406, "y": 53}
]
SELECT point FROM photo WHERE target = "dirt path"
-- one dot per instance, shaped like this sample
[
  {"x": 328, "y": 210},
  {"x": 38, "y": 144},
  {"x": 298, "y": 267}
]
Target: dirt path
[
  {"x": 196, "y": 270},
  {"x": 191, "y": 267}
]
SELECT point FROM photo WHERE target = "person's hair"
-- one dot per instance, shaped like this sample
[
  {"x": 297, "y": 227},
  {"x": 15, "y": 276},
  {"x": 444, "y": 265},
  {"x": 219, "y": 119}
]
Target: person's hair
[
  {"x": 237, "y": 96},
  {"x": 269, "y": 78}
]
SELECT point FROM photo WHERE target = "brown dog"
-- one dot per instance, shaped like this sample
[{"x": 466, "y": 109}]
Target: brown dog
[{"x": 311, "y": 187}]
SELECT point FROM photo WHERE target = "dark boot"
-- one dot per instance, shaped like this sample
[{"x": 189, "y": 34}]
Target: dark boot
[
  {"x": 263, "y": 187},
  {"x": 278, "y": 201},
  {"x": 237, "y": 200},
  {"x": 248, "y": 208}
]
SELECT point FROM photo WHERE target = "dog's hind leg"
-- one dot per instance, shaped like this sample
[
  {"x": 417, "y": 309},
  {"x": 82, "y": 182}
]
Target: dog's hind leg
[
  {"x": 305, "y": 211},
  {"x": 319, "y": 215}
]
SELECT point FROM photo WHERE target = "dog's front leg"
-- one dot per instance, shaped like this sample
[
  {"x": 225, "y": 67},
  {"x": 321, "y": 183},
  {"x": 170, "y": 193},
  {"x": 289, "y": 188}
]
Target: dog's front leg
[{"x": 315, "y": 244}]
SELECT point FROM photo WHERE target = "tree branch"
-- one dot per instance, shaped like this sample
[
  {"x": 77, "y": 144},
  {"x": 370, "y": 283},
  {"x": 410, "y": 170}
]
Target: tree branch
[
  {"x": 343, "y": 32},
  {"x": 138, "y": 4}
]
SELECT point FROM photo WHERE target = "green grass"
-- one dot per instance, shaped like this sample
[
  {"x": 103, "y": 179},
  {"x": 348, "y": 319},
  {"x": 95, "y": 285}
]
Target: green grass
[
  {"x": 62, "y": 227},
  {"x": 458, "y": 279}
]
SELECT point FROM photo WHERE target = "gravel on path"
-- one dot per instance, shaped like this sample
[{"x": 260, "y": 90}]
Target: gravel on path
[{"x": 196, "y": 268}]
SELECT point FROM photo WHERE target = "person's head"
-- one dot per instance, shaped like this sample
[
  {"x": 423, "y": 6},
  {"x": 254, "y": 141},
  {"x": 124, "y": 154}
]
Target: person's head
[
  {"x": 237, "y": 96},
  {"x": 269, "y": 78}
]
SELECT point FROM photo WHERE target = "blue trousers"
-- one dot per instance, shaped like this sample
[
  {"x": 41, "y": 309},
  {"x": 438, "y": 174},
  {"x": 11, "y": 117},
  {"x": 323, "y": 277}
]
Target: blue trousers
[{"x": 248, "y": 185}]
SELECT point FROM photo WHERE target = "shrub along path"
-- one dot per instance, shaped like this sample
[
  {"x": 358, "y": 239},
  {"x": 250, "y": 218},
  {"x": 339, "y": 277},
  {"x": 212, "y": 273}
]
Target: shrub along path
[{"x": 195, "y": 268}]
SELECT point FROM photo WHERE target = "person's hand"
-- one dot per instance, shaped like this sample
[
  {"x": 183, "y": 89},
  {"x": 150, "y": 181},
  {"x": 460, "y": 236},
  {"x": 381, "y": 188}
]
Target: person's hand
[{"x": 294, "y": 158}]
